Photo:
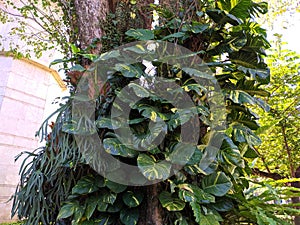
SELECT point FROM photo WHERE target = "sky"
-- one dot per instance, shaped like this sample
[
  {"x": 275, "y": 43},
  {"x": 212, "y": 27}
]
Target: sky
[
  {"x": 289, "y": 27},
  {"x": 292, "y": 34}
]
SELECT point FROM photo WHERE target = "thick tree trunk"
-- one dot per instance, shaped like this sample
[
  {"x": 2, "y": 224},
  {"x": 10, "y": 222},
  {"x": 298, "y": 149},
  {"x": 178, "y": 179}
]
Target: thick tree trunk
[
  {"x": 151, "y": 212},
  {"x": 89, "y": 14}
]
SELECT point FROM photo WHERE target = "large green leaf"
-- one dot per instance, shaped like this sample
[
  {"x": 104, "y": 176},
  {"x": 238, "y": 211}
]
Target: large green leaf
[
  {"x": 91, "y": 204},
  {"x": 109, "y": 123},
  {"x": 231, "y": 153},
  {"x": 181, "y": 153},
  {"x": 85, "y": 185},
  {"x": 223, "y": 205},
  {"x": 209, "y": 219},
  {"x": 247, "y": 58},
  {"x": 221, "y": 18},
  {"x": 78, "y": 214},
  {"x": 115, "y": 187},
  {"x": 197, "y": 27},
  {"x": 68, "y": 209},
  {"x": 242, "y": 133},
  {"x": 193, "y": 193},
  {"x": 261, "y": 75},
  {"x": 102, "y": 206},
  {"x": 217, "y": 184},
  {"x": 116, "y": 207},
  {"x": 129, "y": 216},
  {"x": 140, "y": 34},
  {"x": 171, "y": 37},
  {"x": 139, "y": 90},
  {"x": 115, "y": 147},
  {"x": 196, "y": 210},
  {"x": 238, "y": 8},
  {"x": 242, "y": 97},
  {"x": 105, "y": 198},
  {"x": 128, "y": 70},
  {"x": 198, "y": 73},
  {"x": 132, "y": 199},
  {"x": 153, "y": 170},
  {"x": 171, "y": 203}
]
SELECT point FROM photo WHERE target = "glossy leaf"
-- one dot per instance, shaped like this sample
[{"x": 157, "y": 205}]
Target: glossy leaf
[
  {"x": 197, "y": 73},
  {"x": 139, "y": 90},
  {"x": 181, "y": 153},
  {"x": 129, "y": 216},
  {"x": 193, "y": 193},
  {"x": 115, "y": 147},
  {"x": 217, "y": 184},
  {"x": 91, "y": 205},
  {"x": 241, "y": 97},
  {"x": 85, "y": 185},
  {"x": 128, "y": 70},
  {"x": 107, "y": 197},
  {"x": 115, "y": 187},
  {"x": 132, "y": 199},
  {"x": 239, "y": 8},
  {"x": 67, "y": 210},
  {"x": 197, "y": 211},
  {"x": 208, "y": 219},
  {"x": 153, "y": 170},
  {"x": 140, "y": 34},
  {"x": 171, "y": 203}
]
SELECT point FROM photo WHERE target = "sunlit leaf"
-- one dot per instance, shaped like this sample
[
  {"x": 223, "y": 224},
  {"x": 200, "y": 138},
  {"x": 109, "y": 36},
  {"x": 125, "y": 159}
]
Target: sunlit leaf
[
  {"x": 171, "y": 203},
  {"x": 153, "y": 170}
]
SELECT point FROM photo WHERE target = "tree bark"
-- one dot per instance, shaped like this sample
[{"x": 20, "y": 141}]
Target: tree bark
[
  {"x": 296, "y": 200},
  {"x": 274, "y": 176},
  {"x": 294, "y": 173},
  {"x": 89, "y": 14},
  {"x": 151, "y": 210}
]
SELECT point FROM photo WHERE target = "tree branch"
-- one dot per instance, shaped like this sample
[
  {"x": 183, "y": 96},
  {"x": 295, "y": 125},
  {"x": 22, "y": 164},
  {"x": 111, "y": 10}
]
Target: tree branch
[{"x": 274, "y": 176}]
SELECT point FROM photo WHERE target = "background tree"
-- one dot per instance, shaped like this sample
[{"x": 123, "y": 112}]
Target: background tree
[
  {"x": 280, "y": 126},
  {"x": 58, "y": 186}
]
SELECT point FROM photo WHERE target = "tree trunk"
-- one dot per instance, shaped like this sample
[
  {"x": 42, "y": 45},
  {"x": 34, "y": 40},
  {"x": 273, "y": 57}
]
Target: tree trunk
[
  {"x": 89, "y": 14},
  {"x": 296, "y": 200},
  {"x": 151, "y": 212},
  {"x": 294, "y": 173}
]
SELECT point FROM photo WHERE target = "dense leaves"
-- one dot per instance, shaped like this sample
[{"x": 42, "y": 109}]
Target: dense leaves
[{"x": 57, "y": 184}]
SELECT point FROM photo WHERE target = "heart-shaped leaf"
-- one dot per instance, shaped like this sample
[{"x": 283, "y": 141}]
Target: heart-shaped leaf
[
  {"x": 171, "y": 203},
  {"x": 217, "y": 184},
  {"x": 129, "y": 216},
  {"x": 132, "y": 199},
  {"x": 153, "y": 170}
]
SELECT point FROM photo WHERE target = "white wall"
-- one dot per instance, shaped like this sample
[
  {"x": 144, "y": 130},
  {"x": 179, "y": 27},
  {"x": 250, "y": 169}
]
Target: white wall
[
  {"x": 27, "y": 89},
  {"x": 24, "y": 91}
]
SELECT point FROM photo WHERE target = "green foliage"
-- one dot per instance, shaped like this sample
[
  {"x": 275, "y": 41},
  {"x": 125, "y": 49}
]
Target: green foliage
[
  {"x": 279, "y": 128},
  {"x": 40, "y": 25},
  {"x": 58, "y": 186},
  {"x": 265, "y": 198}
]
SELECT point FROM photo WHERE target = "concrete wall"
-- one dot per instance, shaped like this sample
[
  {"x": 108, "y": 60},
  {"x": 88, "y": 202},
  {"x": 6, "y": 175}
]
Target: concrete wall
[{"x": 24, "y": 88}]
